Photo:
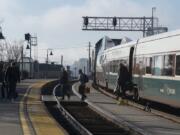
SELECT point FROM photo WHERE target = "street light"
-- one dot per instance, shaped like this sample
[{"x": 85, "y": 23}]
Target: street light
[
  {"x": 48, "y": 55},
  {"x": 47, "y": 62},
  {"x": 28, "y": 38},
  {"x": 27, "y": 47}
]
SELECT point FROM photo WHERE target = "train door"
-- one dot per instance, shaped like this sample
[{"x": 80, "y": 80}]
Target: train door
[
  {"x": 131, "y": 61},
  {"x": 134, "y": 89}
]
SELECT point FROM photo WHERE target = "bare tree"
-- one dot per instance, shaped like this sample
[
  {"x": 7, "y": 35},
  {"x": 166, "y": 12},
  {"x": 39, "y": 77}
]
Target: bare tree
[
  {"x": 3, "y": 50},
  {"x": 14, "y": 50},
  {"x": 17, "y": 49}
]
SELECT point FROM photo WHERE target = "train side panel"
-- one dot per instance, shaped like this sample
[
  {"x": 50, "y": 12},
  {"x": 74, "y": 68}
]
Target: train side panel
[
  {"x": 158, "y": 81},
  {"x": 156, "y": 67}
]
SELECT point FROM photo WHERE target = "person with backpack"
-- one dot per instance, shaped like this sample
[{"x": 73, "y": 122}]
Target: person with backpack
[{"x": 83, "y": 79}]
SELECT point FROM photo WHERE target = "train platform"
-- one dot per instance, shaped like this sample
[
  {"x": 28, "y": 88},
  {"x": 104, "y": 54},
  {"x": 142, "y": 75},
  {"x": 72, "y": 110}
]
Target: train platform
[
  {"x": 27, "y": 115},
  {"x": 128, "y": 116}
]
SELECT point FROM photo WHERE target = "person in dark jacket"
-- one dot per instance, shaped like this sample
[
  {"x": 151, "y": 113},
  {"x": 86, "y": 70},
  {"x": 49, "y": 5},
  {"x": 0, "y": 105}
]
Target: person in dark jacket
[
  {"x": 123, "y": 78},
  {"x": 82, "y": 85},
  {"x": 2, "y": 78},
  {"x": 64, "y": 80},
  {"x": 12, "y": 77}
]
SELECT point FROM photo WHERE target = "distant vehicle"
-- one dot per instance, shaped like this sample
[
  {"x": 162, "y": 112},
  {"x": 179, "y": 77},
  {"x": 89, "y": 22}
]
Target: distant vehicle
[{"x": 153, "y": 62}]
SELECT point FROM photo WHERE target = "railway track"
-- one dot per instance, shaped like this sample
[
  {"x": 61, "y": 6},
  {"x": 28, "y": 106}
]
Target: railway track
[
  {"x": 87, "y": 118},
  {"x": 86, "y": 121},
  {"x": 92, "y": 122}
]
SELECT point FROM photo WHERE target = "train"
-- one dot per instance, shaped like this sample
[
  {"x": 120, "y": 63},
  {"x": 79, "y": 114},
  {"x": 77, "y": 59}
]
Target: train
[{"x": 153, "y": 62}]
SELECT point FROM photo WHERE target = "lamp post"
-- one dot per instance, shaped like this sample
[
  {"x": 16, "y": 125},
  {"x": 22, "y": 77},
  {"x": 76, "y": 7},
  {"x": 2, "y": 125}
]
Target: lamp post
[
  {"x": 22, "y": 57},
  {"x": 32, "y": 41},
  {"x": 28, "y": 38},
  {"x": 47, "y": 61}
]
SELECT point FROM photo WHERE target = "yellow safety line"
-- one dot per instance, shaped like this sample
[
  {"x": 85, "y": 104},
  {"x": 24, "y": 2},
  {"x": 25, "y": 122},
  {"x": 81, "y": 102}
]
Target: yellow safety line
[
  {"x": 42, "y": 122},
  {"x": 23, "y": 120}
]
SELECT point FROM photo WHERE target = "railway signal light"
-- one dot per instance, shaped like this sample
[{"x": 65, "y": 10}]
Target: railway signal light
[
  {"x": 27, "y": 36},
  {"x": 114, "y": 21},
  {"x": 86, "y": 21},
  {"x": 1, "y": 36}
]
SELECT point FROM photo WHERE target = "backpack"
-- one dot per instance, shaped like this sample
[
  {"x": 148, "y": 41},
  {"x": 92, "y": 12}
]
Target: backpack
[{"x": 86, "y": 79}]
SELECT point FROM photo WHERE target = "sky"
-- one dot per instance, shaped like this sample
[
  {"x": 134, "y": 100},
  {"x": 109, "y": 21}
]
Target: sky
[{"x": 58, "y": 23}]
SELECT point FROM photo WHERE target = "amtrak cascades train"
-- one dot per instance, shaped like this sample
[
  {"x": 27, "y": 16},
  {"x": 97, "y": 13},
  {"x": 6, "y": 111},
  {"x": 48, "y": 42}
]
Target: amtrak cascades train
[{"x": 153, "y": 62}]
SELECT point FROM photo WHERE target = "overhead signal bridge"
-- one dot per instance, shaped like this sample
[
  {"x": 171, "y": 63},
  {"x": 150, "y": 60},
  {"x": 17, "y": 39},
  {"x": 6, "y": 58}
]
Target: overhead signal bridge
[{"x": 148, "y": 25}]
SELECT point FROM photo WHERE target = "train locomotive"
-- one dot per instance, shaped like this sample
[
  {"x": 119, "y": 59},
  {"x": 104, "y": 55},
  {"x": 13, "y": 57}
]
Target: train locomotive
[{"x": 153, "y": 62}]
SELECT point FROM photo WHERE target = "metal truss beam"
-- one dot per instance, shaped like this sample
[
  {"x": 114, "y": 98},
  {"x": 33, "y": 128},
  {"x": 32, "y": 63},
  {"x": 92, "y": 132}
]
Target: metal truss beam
[{"x": 143, "y": 24}]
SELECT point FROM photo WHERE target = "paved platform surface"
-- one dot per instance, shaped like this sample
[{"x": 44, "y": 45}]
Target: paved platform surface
[
  {"x": 27, "y": 115},
  {"x": 10, "y": 123},
  {"x": 144, "y": 122}
]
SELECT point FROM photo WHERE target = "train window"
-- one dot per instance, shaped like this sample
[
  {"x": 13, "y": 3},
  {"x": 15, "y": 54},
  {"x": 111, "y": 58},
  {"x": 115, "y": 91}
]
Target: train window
[
  {"x": 136, "y": 66},
  {"x": 168, "y": 65},
  {"x": 100, "y": 60},
  {"x": 110, "y": 66},
  {"x": 157, "y": 65},
  {"x": 114, "y": 66},
  {"x": 140, "y": 67},
  {"x": 148, "y": 65},
  {"x": 178, "y": 65}
]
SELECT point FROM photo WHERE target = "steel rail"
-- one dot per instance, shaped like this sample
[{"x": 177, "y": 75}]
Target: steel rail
[{"x": 80, "y": 128}]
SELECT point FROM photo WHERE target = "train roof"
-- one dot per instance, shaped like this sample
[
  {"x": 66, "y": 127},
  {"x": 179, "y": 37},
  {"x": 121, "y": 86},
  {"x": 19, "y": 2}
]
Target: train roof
[
  {"x": 108, "y": 43},
  {"x": 147, "y": 39},
  {"x": 153, "y": 45},
  {"x": 160, "y": 36}
]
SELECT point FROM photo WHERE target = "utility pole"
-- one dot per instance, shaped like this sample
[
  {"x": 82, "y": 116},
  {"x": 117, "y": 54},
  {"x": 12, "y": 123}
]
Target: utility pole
[
  {"x": 75, "y": 72},
  {"x": 22, "y": 62},
  {"x": 153, "y": 9},
  {"x": 89, "y": 67},
  {"x": 61, "y": 59}
]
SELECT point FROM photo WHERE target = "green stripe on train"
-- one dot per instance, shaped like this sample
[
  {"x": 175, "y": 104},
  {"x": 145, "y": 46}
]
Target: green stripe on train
[{"x": 167, "y": 89}]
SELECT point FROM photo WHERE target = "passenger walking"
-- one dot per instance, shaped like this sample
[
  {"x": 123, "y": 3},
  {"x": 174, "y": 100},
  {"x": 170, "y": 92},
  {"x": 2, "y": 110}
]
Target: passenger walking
[
  {"x": 123, "y": 79},
  {"x": 82, "y": 86},
  {"x": 64, "y": 80},
  {"x": 12, "y": 76}
]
